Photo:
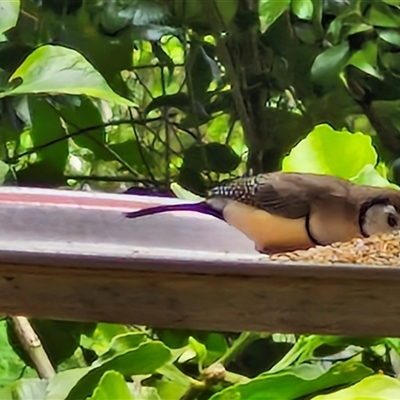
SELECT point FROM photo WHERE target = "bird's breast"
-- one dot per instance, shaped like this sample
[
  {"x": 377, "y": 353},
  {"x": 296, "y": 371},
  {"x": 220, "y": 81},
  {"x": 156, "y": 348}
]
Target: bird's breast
[{"x": 269, "y": 232}]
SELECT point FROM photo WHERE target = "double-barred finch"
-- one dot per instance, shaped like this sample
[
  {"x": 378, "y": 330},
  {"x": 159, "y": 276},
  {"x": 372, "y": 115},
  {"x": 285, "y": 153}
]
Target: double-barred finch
[{"x": 288, "y": 211}]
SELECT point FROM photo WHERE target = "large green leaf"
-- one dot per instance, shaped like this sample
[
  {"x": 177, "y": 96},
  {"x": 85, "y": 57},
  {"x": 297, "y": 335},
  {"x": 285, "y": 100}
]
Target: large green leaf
[
  {"x": 366, "y": 59},
  {"x": 271, "y": 10},
  {"x": 377, "y": 387},
  {"x": 9, "y": 11},
  {"x": 214, "y": 157},
  {"x": 192, "y": 180},
  {"x": 326, "y": 151},
  {"x": 370, "y": 176},
  {"x": 85, "y": 115},
  {"x": 62, "y": 383},
  {"x": 328, "y": 64},
  {"x": 382, "y": 15},
  {"x": 51, "y": 333},
  {"x": 112, "y": 385},
  {"x": 25, "y": 389},
  {"x": 99, "y": 340},
  {"x": 303, "y": 8},
  {"x": 11, "y": 366},
  {"x": 295, "y": 382},
  {"x": 56, "y": 69},
  {"x": 46, "y": 128},
  {"x": 144, "y": 359},
  {"x": 121, "y": 343}
]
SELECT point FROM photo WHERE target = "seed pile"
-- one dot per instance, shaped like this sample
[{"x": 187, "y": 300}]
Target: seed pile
[{"x": 381, "y": 249}]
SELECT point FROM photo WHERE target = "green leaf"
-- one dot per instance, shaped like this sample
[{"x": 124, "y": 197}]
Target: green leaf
[
  {"x": 391, "y": 62},
  {"x": 121, "y": 343},
  {"x": 377, "y": 387},
  {"x": 199, "y": 349},
  {"x": 201, "y": 71},
  {"x": 391, "y": 36},
  {"x": 133, "y": 153},
  {"x": 226, "y": 9},
  {"x": 214, "y": 157},
  {"x": 370, "y": 176},
  {"x": 192, "y": 180},
  {"x": 25, "y": 389},
  {"x": 62, "y": 383},
  {"x": 85, "y": 115},
  {"x": 184, "y": 194},
  {"x": 326, "y": 151},
  {"x": 182, "y": 102},
  {"x": 46, "y": 128},
  {"x": 295, "y": 382},
  {"x": 4, "y": 168},
  {"x": 112, "y": 385},
  {"x": 51, "y": 333},
  {"x": 328, "y": 64},
  {"x": 100, "y": 339},
  {"x": 366, "y": 59},
  {"x": 216, "y": 346},
  {"x": 271, "y": 10},
  {"x": 382, "y": 15},
  {"x": 11, "y": 366},
  {"x": 145, "y": 359},
  {"x": 56, "y": 69},
  {"x": 9, "y": 12},
  {"x": 303, "y": 9}
]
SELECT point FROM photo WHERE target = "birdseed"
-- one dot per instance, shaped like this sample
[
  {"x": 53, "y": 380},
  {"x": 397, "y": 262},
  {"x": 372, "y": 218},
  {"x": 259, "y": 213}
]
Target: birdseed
[{"x": 380, "y": 249}]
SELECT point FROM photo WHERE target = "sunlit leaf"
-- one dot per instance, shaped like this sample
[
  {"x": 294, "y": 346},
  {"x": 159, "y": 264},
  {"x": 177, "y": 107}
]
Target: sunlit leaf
[
  {"x": 121, "y": 343},
  {"x": 61, "y": 384},
  {"x": 9, "y": 12},
  {"x": 377, "y": 387},
  {"x": 25, "y": 389},
  {"x": 326, "y": 151},
  {"x": 302, "y": 8},
  {"x": 112, "y": 385},
  {"x": 184, "y": 194},
  {"x": 295, "y": 382},
  {"x": 56, "y": 69},
  {"x": 271, "y": 10},
  {"x": 144, "y": 359},
  {"x": 391, "y": 36},
  {"x": 199, "y": 348},
  {"x": 366, "y": 60},
  {"x": 370, "y": 176}
]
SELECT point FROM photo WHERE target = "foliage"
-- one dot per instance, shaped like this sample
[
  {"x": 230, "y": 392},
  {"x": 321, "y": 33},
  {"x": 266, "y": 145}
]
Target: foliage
[{"x": 178, "y": 95}]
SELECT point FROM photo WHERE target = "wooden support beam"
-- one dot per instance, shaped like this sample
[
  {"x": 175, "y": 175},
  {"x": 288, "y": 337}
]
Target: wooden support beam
[{"x": 72, "y": 255}]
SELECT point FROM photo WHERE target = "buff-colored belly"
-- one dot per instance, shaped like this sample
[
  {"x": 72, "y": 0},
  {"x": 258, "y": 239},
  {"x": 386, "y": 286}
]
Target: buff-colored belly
[{"x": 270, "y": 233}]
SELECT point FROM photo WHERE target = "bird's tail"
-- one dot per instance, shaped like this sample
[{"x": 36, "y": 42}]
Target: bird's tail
[{"x": 201, "y": 207}]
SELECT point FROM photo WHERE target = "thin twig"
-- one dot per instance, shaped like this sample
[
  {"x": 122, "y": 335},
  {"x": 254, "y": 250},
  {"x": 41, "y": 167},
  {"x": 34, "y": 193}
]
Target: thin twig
[
  {"x": 67, "y": 136},
  {"x": 112, "y": 179},
  {"x": 164, "y": 111},
  {"x": 32, "y": 345},
  {"x": 142, "y": 156}
]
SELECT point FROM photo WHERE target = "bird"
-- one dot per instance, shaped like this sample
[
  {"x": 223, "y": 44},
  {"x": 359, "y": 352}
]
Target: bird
[{"x": 288, "y": 211}]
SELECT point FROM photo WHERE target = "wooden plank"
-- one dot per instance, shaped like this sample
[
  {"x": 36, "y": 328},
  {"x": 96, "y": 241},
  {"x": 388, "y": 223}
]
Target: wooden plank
[{"x": 72, "y": 255}]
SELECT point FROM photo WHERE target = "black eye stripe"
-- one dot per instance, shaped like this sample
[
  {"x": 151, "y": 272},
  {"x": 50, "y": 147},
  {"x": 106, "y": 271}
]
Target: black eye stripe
[{"x": 392, "y": 220}]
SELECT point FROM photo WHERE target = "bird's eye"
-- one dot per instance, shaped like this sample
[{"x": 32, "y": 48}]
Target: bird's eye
[{"x": 392, "y": 220}]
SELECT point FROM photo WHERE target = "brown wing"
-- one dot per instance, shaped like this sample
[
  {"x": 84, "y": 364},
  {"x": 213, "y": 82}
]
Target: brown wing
[{"x": 286, "y": 194}]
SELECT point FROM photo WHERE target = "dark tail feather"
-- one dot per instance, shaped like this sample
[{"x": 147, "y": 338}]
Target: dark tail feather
[{"x": 202, "y": 207}]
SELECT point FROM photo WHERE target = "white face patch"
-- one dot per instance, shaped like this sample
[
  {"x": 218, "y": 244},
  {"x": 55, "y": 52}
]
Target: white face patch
[{"x": 381, "y": 218}]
